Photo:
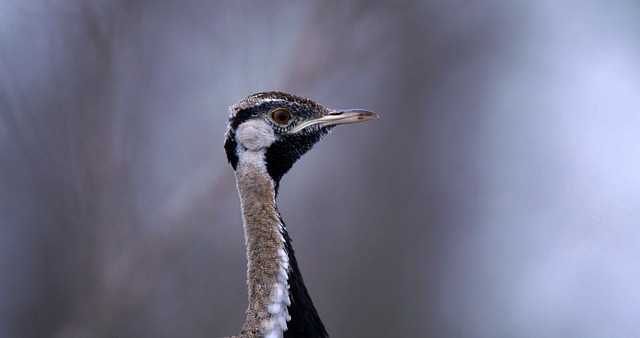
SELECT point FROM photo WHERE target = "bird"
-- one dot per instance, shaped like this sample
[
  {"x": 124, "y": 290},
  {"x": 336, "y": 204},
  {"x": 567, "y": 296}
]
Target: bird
[{"x": 266, "y": 134}]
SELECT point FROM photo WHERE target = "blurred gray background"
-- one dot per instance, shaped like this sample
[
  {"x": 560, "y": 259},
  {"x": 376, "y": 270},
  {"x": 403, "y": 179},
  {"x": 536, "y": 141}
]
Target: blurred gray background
[{"x": 497, "y": 196}]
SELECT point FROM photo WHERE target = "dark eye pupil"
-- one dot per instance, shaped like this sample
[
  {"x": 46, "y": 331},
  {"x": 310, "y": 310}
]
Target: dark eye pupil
[{"x": 281, "y": 115}]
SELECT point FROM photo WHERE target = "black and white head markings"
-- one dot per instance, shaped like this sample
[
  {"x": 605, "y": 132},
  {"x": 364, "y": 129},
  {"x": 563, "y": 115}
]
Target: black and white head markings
[{"x": 283, "y": 126}]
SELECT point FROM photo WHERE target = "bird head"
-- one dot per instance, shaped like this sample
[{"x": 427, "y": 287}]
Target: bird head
[{"x": 281, "y": 127}]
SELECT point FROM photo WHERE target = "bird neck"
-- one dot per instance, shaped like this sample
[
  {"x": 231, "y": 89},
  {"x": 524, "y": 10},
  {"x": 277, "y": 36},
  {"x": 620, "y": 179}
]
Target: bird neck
[
  {"x": 279, "y": 304},
  {"x": 268, "y": 262}
]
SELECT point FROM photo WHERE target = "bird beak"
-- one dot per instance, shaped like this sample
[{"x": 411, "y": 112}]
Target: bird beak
[{"x": 335, "y": 117}]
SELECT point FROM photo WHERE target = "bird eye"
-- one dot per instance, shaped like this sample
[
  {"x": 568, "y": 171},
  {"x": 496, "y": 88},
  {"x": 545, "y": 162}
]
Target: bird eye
[{"x": 281, "y": 116}]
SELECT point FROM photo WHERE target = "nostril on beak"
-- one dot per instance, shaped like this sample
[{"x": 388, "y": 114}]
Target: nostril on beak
[{"x": 335, "y": 113}]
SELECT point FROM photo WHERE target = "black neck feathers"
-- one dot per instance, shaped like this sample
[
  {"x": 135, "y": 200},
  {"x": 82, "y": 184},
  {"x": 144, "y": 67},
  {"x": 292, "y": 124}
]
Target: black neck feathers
[
  {"x": 305, "y": 321},
  {"x": 282, "y": 154}
]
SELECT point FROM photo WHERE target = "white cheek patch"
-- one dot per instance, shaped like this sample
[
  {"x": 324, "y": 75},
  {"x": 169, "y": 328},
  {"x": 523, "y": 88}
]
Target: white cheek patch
[{"x": 255, "y": 135}]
